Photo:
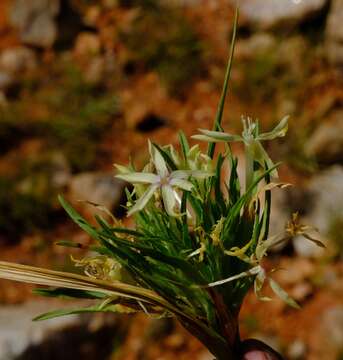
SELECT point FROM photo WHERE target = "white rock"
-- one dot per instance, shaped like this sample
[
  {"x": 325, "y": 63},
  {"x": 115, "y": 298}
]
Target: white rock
[
  {"x": 18, "y": 332},
  {"x": 332, "y": 321},
  {"x": 266, "y": 14},
  {"x": 257, "y": 44},
  {"x": 35, "y": 21},
  {"x": 59, "y": 338},
  {"x": 326, "y": 143},
  {"x": 100, "y": 188},
  {"x": 59, "y": 170},
  {"x": 280, "y": 211},
  {"x": 14, "y": 62},
  {"x": 16, "y": 59},
  {"x": 326, "y": 192}
]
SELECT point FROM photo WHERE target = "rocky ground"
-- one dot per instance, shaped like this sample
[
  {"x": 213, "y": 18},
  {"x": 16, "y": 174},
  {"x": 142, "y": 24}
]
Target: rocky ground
[{"x": 102, "y": 78}]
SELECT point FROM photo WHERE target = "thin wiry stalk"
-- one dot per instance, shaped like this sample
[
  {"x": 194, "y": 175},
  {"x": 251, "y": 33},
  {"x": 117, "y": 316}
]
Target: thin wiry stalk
[{"x": 220, "y": 110}]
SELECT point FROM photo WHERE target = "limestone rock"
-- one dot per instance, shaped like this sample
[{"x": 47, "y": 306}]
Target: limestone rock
[
  {"x": 64, "y": 337},
  {"x": 35, "y": 21},
  {"x": 332, "y": 321},
  {"x": 257, "y": 44},
  {"x": 15, "y": 62},
  {"x": 326, "y": 143},
  {"x": 60, "y": 170},
  {"x": 279, "y": 215},
  {"x": 326, "y": 206},
  {"x": 97, "y": 187},
  {"x": 20, "y": 332},
  {"x": 267, "y": 14}
]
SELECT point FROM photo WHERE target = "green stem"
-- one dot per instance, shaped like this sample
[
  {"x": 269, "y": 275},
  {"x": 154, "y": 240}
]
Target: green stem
[
  {"x": 249, "y": 167},
  {"x": 220, "y": 110}
]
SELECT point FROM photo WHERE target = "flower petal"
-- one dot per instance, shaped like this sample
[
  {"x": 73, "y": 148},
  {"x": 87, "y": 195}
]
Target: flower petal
[
  {"x": 199, "y": 174},
  {"x": 169, "y": 199},
  {"x": 260, "y": 155},
  {"x": 282, "y": 294},
  {"x": 258, "y": 285},
  {"x": 185, "y": 174},
  {"x": 180, "y": 174},
  {"x": 182, "y": 184},
  {"x": 280, "y": 130},
  {"x": 143, "y": 200},
  {"x": 158, "y": 161},
  {"x": 264, "y": 245},
  {"x": 122, "y": 169},
  {"x": 139, "y": 178},
  {"x": 216, "y": 136}
]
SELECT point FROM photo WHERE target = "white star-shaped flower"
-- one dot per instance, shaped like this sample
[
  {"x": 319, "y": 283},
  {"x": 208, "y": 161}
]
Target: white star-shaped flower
[{"x": 166, "y": 181}]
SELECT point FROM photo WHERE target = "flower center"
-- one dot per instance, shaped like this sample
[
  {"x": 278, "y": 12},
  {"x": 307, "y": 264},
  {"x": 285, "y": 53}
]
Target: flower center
[{"x": 164, "y": 180}]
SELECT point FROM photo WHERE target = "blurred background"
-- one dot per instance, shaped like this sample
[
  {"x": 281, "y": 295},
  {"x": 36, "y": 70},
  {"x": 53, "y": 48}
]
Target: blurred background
[{"x": 85, "y": 83}]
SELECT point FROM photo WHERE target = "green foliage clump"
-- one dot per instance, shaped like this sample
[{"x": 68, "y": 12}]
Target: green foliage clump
[
  {"x": 170, "y": 46},
  {"x": 275, "y": 72},
  {"x": 259, "y": 77},
  {"x": 80, "y": 116},
  {"x": 28, "y": 198},
  {"x": 69, "y": 117},
  {"x": 21, "y": 213},
  {"x": 73, "y": 115},
  {"x": 198, "y": 241}
]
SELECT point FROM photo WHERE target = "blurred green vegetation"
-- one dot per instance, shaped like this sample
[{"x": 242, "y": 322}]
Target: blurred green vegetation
[
  {"x": 258, "y": 77},
  {"x": 69, "y": 113},
  {"x": 277, "y": 70},
  {"x": 28, "y": 197},
  {"x": 21, "y": 213},
  {"x": 68, "y": 117},
  {"x": 170, "y": 47}
]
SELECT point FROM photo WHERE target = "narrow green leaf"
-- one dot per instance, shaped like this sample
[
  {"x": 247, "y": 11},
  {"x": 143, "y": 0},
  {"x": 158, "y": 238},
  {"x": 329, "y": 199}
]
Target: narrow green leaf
[
  {"x": 220, "y": 201},
  {"x": 166, "y": 157},
  {"x": 65, "y": 312},
  {"x": 220, "y": 110},
  {"x": 282, "y": 294},
  {"x": 69, "y": 293},
  {"x": 280, "y": 130},
  {"x": 77, "y": 218},
  {"x": 138, "y": 178},
  {"x": 184, "y": 144}
]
